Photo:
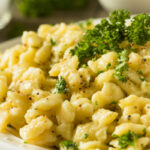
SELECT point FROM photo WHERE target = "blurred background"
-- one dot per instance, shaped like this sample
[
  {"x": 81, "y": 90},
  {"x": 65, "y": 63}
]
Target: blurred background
[{"x": 19, "y": 15}]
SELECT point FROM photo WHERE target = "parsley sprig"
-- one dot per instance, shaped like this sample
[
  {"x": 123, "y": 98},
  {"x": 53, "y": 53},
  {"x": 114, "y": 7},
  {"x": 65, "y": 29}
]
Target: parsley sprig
[
  {"x": 128, "y": 139},
  {"x": 138, "y": 31},
  {"x": 69, "y": 144},
  {"x": 105, "y": 36},
  {"x": 61, "y": 85},
  {"x": 110, "y": 33}
]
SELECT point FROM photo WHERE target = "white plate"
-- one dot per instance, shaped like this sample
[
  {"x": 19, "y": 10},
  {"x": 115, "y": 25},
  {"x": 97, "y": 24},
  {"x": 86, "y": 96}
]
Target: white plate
[{"x": 10, "y": 142}]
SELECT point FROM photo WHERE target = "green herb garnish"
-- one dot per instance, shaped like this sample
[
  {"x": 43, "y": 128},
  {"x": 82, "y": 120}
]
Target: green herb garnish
[
  {"x": 69, "y": 144},
  {"x": 143, "y": 79},
  {"x": 138, "y": 31},
  {"x": 89, "y": 22},
  {"x": 110, "y": 33},
  {"x": 122, "y": 65},
  {"x": 128, "y": 139},
  {"x": 53, "y": 43},
  {"x": 140, "y": 72},
  {"x": 144, "y": 132},
  {"x": 114, "y": 102},
  {"x": 85, "y": 24},
  {"x": 86, "y": 135},
  {"x": 114, "y": 136},
  {"x": 25, "y": 142},
  {"x": 105, "y": 36},
  {"x": 99, "y": 72},
  {"x": 96, "y": 102},
  {"x": 61, "y": 85},
  {"x": 108, "y": 65}
]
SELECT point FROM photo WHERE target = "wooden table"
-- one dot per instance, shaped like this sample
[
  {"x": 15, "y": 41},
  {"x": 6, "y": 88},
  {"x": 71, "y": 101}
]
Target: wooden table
[{"x": 94, "y": 10}]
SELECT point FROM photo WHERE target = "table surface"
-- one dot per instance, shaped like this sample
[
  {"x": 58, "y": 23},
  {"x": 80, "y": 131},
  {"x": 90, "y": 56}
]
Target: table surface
[{"x": 94, "y": 10}]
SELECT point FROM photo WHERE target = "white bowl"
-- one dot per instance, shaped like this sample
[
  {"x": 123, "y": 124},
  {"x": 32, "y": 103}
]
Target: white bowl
[{"x": 135, "y": 6}]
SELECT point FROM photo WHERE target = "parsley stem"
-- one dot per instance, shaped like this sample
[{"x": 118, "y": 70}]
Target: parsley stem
[{"x": 134, "y": 143}]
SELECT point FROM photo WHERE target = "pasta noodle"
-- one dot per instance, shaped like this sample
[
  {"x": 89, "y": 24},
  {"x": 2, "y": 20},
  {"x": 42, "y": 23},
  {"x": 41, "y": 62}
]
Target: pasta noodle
[{"x": 48, "y": 99}]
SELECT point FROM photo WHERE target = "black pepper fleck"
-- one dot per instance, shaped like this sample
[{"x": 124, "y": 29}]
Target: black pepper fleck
[
  {"x": 144, "y": 60},
  {"x": 30, "y": 98},
  {"x": 129, "y": 117}
]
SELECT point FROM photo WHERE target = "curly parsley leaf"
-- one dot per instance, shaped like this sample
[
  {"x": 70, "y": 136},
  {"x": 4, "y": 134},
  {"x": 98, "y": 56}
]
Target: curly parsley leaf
[
  {"x": 104, "y": 37},
  {"x": 69, "y": 144},
  {"x": 119, "y": 16},
  {"x": 138, "y": 31},
  {"x": 61, "y": 85},
  {"x": 110, "y": 33}
]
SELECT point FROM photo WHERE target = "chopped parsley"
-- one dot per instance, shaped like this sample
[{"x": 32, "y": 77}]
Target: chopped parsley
[
  {"x": 108, "y": 65},
  {"x": 109, "y": 34},
  {"x": 89, "y": 22},
  {"x": 99, "y": 72},
  {"x": 143, "y": 79},
  {"x": 96, "y": 102},
  {"x": 25, "y": 142},
  {"x": 114, "y": 136},
  {"x": 122, "y": 65},
  {"x": 86, "y": 135},
  {"x": 94, "y": 58},
  {"x": 105, "y": 36},
  {"x": 61, "y": 85},
  {"x": 128, "y": 139},
  {"x": 83, "y": 65},
  {"x": 144, "y": 132},
  {"x": 84, "y": 25},
  {"x": 53, "y": 43},
  {"x": 69, "y": 144},
  {"x": 114, "y": 102},
  {"x": 140, "y": 72}
]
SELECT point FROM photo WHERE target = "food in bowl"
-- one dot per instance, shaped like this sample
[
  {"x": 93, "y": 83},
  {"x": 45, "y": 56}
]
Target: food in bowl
[{"x": 80, "y": 86}]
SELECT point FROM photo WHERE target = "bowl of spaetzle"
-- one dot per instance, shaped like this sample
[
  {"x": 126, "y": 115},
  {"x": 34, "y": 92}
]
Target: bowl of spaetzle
[{"x": 80, "y": 86}]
